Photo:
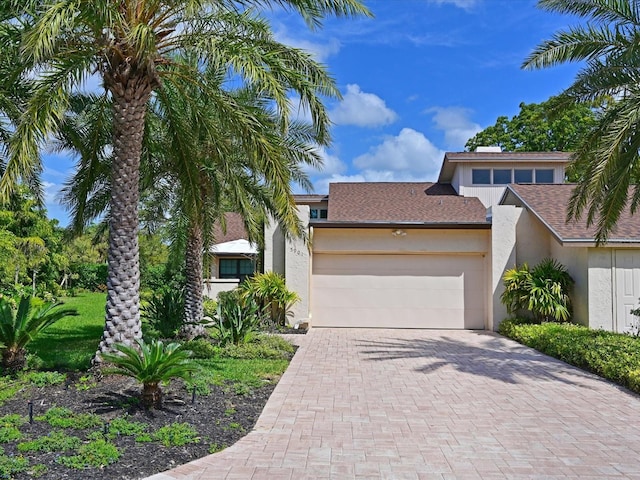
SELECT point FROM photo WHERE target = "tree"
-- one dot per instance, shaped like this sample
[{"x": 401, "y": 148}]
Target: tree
[
  {"x": 553, "y": 125},
  {"x": 609, "y": 154},
  {"x": 133, "y": 46}
]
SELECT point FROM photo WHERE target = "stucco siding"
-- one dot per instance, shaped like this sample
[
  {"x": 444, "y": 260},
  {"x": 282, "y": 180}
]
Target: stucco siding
[
  {"x": 354, "y": 240},
  {"x": 576, "y": 260},
  {"x": 503, "y": 256},
  {"x": 297, "y": 269},
  {"x": 533, "y": 239}
]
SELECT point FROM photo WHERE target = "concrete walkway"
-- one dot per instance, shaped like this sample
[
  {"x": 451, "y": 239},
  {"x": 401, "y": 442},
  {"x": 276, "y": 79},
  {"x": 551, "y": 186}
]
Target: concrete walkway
[{"x": 409, "y": 404}]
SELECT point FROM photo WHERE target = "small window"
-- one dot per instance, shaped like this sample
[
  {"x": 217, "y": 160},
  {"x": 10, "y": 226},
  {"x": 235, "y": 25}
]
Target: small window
[
  {"x": 501, "y": 177},
  {"x": 323, "y": 213},
  {"x": 544, "y": 176},
  {"x": 313, "y": 213},
  {"x": 481, "y": 176},
  {"x": 523, "y": 176},
  {"x": 239, "y": 268}
]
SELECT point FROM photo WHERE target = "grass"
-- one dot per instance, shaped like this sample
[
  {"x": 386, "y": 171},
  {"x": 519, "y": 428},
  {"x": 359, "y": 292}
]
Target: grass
[{"x": 80, "y": 335}]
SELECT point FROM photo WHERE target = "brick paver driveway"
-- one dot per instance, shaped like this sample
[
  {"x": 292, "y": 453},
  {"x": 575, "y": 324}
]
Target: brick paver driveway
[{"x": 413, "y": 404}]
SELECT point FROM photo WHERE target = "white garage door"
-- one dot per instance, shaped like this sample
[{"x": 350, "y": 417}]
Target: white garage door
[{"x": 398, "y": 291}]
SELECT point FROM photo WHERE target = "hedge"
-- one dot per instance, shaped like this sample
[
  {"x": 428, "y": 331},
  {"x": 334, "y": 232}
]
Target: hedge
[{"x": 614, "y": 356}]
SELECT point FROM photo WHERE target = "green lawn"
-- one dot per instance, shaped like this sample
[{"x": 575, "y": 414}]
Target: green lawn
[{"x": 70, "y": 343}]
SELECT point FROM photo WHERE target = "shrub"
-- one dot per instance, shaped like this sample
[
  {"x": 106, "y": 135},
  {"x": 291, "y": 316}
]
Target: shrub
[
  {"x": 9, "y": 466},
  {"x": 89, "y": 276},
  {"x": 97, "y": 453},
  {"x": 153, "y": 363},
  {"x": 543, "y": 291},
  {"x": 263, "y": 346},
  {"x": 176, "y": 435},
  {"x": 237, "y": 318},
  {"x": 61, "y": 417},
  {"x": 611, "y": 355},
  {"x": 56, "y": 441},
  {"x": 163, "y": 312},
  {"x": 20, "y": 326},
  {"x": 270, "y": 291}
]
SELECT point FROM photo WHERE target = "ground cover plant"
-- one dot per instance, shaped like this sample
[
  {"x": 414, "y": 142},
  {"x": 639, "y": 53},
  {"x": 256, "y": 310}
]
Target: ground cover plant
[
  {"x": 614, "y": 356},
  {"x": 83, "y": 426}
]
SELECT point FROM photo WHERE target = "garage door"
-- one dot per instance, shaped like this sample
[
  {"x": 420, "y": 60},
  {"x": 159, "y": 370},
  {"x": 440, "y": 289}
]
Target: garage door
[{"x": 398, "y": 291}]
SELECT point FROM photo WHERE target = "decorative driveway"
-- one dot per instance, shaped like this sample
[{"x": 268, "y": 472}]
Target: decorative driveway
[{"x": 414, "y": 404}]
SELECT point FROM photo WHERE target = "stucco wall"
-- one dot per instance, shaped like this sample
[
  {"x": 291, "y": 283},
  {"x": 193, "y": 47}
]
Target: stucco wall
[
  {"x": 214, "y": 286},
  {"x": 355, "y": 240},
  {"x": 297, "y": 269},
  {"x": 576, "y": 259},
  {"x": 533, "y": 239},
  {"x": 274, "y": 246},
  {"x": 503, "y": 256}
]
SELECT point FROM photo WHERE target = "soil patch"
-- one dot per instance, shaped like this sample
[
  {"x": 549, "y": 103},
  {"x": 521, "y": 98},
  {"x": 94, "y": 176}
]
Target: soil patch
[{"x": 220, "y": 419}]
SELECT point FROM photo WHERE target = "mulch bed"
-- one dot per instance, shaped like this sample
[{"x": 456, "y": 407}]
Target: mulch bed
[{"x": 220, "y": 419}]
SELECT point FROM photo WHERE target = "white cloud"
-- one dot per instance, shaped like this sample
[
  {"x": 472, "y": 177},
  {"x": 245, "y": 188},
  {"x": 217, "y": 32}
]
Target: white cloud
[
  {"x": 406, "y": 156},
  {"x": 320, "y": 51},
  {"x": 464, "y": 4},
  {"x": 455, "y": 123},
  {"x": 362, "y": 109},
  {"x": 331, "y": 164}
]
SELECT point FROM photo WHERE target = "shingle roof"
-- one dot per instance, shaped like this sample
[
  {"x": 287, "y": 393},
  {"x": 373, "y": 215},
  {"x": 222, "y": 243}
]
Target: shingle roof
[
  {"x": 401, "y": 202},
  {"x": 549, "y": 203},
  {"x": 235, "y": 229}
]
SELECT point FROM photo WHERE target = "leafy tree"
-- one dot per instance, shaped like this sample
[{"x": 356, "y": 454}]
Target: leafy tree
[
  {"x": 133, "y": 46},
  {"x": 609, "y": 154},
  {"x": 553, "y": 125}
]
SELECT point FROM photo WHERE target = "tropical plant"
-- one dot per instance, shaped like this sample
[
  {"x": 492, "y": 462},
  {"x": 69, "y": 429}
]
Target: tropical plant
[
  {"x": 21, "y": 325},
  {"x": 133, "y": 47},
  {"x": 543, "y": 290},
  {"x": 608, "y": 156},
  {"x": 163, "y": 311},
  {"x": 152, "y": 364},
  {"x": 270, "y": 290},
  {"x": 237, "y": 318}
]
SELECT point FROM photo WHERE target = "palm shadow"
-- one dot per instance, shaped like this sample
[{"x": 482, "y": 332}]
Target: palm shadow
[{"x": 495, "y": 358}]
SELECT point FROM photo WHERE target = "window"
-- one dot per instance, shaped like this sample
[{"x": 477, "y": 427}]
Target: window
[
  {"x": 523, "y": 176},
  {"x": 481, "y": 176},
  {"x": 501, "y": 177},
  {"x": 544, "y": 176},
  {"x": 316, "y": 213},
  {"x": 240, "y": 268}
]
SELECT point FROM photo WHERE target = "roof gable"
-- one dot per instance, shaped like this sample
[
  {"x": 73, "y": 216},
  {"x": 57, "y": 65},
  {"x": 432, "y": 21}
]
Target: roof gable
[
  {"x": 401, "y": 202},
  {"x": 549, "y": 204}
]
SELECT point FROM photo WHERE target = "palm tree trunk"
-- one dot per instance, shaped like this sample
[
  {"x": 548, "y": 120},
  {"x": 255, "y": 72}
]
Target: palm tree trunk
[
  {"x": 122, "y": 316},
  {"x": 193, "y": 310}
]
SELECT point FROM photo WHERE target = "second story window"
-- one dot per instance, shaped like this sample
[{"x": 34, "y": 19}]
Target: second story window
[
  {"x": 481, "y": 176},
  {"x": 501, "y": 176},
  {"x": 523, "y": 176},
  {"x": 544, "y": 175},
  {"x": 318, "y": 213}
]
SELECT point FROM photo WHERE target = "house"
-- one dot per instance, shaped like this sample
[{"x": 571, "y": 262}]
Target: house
[
  {"x": 432, "y": 255},
  {"x": 233, "y": 257}
]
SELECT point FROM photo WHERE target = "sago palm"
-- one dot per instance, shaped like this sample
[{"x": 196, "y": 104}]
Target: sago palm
[
  {"x": 19, "y": 326},
  {"x": 133, "y": 47},
  {"x": 151, "y": 364},
  {"x": 608, "y": 43}
]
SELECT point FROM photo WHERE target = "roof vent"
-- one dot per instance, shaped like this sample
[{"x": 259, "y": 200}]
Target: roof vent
[{"x": 486, "y": 149}]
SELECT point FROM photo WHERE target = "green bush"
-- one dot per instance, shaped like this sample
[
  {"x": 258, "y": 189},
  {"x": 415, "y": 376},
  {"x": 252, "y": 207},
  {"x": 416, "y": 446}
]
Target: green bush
[
  {"x": 56, "y": 441},
  {"x": 263, "y": 346},
  {"x": 543, "y": 291},
  {"x": 176, "y": 435},
  {"x": 97, "y": 453},
  {"x": 152, "y": 364},
  {"x": 237, "y": 318},
  {"x": 89, "y": 276},
  {"x": 270, "y": 291},
  {"x": 62, "y": 417},
  {"x": 163, "y": 312},
  {"x": 611, "y": 355}
]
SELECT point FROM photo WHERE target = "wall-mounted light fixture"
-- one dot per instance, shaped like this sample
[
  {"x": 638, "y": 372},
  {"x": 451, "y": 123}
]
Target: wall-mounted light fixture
[{"x": 398, "y": 233}]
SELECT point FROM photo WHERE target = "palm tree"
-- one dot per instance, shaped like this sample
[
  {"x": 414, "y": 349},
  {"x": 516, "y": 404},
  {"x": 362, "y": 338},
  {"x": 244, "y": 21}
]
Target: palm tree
[
  {"x": 133, "y": 47},
  {"x": 609, "y": 155}
]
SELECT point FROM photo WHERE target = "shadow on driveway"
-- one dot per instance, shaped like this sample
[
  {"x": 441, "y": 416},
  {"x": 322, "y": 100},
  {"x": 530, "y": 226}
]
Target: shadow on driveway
[{"x": 476, "y": 353}]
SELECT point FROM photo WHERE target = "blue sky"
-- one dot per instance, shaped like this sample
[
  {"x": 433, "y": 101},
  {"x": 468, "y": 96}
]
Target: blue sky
[{"x": 417, "y": 80}]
